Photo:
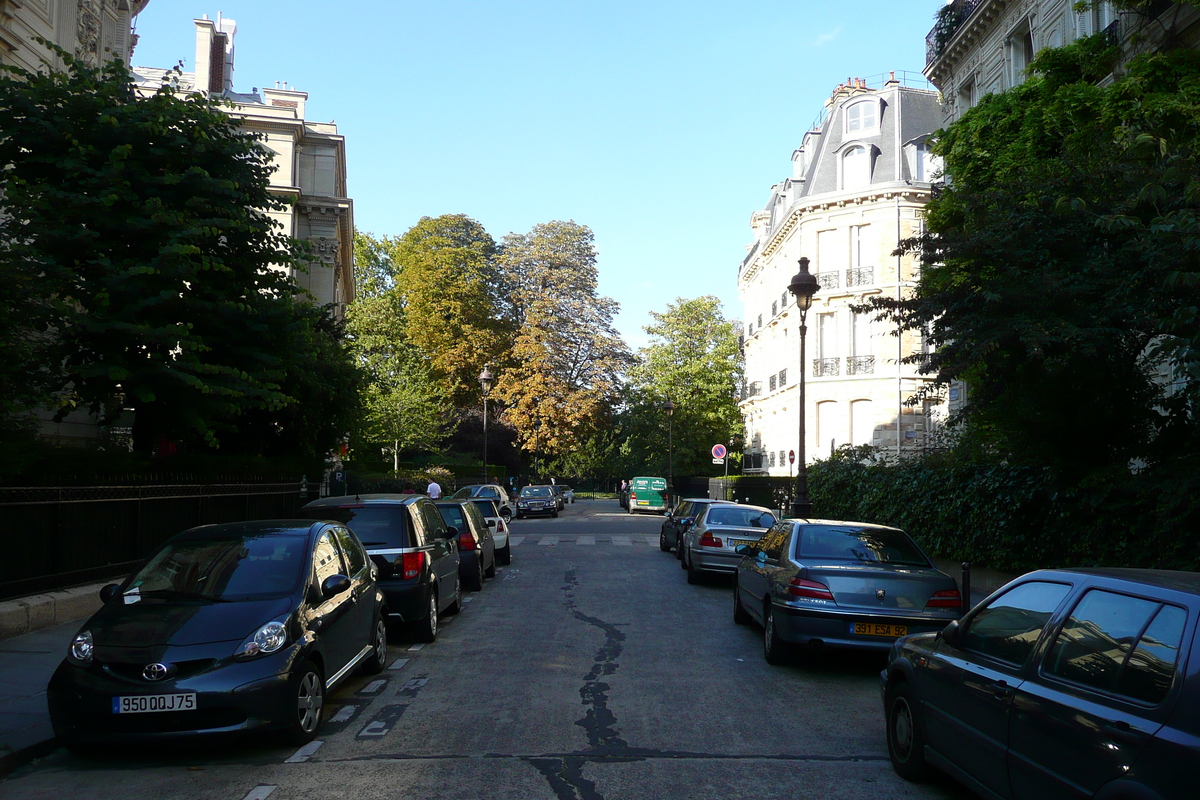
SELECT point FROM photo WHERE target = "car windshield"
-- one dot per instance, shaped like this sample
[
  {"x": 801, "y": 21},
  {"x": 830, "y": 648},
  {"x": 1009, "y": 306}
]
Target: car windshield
[
  {"x": 247, "y": 567},
  {"x": 535, "y": 491},
  {"x": 740, "y": 516},
  {"x": 486, "y": 507},
  {"x": 845, "y": 543},
  {"x": 375, "y": 525}
]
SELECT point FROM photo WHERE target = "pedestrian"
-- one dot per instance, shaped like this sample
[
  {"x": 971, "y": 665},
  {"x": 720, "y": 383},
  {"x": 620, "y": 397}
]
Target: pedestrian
[
  {"x": 408, "y": 489},
  {"x": 434, "y": 490}
]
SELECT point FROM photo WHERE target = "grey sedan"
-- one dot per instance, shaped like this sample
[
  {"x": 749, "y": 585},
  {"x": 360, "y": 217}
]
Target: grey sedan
[
  {"x": 709, "y": 544},
  {"x": 844, "y": 584}
]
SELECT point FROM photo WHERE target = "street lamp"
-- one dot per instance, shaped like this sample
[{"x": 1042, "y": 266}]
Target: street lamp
[
  {"x": 669, "y": 407},
  {"x": 804, "y": 285},
  {"x": 485, "y": 381}
]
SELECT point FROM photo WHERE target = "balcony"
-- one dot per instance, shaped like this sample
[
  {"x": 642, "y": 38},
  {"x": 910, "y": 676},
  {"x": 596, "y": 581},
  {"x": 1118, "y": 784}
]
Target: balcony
[
  {"x": 860, "y": 365},
  {"x": 829, "y": 280},
  {"x": 825, "y": 367},
  {"x": 949, "y": 19},
  {"x": 860, "y": 276}
]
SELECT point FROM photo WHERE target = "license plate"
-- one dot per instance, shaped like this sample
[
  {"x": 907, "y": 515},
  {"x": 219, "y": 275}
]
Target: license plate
[
  {"x": 643, "y": 502},
  {"x": 736, "y": 543},
  {"x": 149, "y": 703},
  {"x": 878, "y": 629}
]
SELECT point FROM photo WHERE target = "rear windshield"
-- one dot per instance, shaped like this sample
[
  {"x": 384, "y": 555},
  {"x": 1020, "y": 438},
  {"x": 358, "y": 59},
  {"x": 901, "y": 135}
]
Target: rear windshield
[
  {"x": 847, "y": 543},
  {"x": 250, "y": 567},
  {"x": 382, "y": 526},
  {"x": 453, "y": 514},
  {"x": 741, "y": 517},
  {"x": 535, "y": 491},
  {"x": 486, "y": 507}
]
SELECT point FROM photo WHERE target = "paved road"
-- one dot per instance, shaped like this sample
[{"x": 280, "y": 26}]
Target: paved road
[{"x": 587, "y": 670}]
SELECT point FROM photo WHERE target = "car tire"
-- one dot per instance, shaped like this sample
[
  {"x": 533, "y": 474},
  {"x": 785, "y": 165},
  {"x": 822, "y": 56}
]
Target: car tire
[
  {"x": 475, "y": 580},
  {"x": 662, "y": 542},
  {"x": 775, "y": 650},
  {"x": 504, "y": 554},
  {"x": 426, "y": 630},
  {"x": 306, "y": 704},
  {"x": 905, "y": 740},
  {"x": 457, "y": 604},
  {"x": 740, "y": 615},
  {"x": 378, "y": 659},
  {"x": 491, "y": 571},
  {"x": 506, "y": 515},
  {"x": 693, "y": 577}
]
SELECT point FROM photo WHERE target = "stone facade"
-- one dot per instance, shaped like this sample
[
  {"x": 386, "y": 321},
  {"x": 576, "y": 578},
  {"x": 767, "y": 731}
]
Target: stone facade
[
  {"x": 861, "y": 178},
  {"x": 93, "y": 31}
]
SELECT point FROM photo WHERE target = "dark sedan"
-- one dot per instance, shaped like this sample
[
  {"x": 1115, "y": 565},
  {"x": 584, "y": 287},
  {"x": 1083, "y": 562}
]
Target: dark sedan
[
  {"x": 1063, "y": 684},
  {"x": 224, "y": 629},
  {"x": 679, "y": 519},
  {"x": 476, "y": 545},
  {"x": 537, "y": 500}
]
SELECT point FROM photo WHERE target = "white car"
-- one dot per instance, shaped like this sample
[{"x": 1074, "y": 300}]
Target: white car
[
  {"x": 499, "y": 526},
  {"x": 567, "y": 492},
  {"x": 487, "y": 491}
]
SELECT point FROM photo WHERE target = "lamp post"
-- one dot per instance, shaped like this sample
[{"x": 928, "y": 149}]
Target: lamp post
[
  {"x": 485, "y": 382},
  {"x": 669, "y": 407},
  {"x": 804, "y": 285}
]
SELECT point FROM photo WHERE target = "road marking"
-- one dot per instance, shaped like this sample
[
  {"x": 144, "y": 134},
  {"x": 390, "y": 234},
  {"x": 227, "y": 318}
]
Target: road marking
[
  {"x": 585, "y": 540},
  {"x": 398, "y": 663},
  {"x": 414, "y": 648},
  {"x": 651, "y": 540},
  {"x": 374, "y": 687},
  {"x": 622, "y": 541},
  {"x": 387, "y": 717},
  {"x": 305, "y": 753},
  {"x": 515, "y": 540},
  {"x": 466, "y": 599},
  {"x": 345, "y": 714},
  {"x": 512, "y": 573},
  {"x": 549, "y": 541},
  {"x": 260, "y": 792}
]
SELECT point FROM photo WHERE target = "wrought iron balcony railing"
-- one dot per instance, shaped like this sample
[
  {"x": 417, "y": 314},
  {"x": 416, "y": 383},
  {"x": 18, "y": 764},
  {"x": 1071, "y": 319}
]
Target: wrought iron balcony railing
[
  {"x": 825, "y": 367},
  {"x": 860, "y": 276},
  {"x": 949, "y": 19},
  {"x": 860, "y": 365},
  {"x": 829, "y": 280}
]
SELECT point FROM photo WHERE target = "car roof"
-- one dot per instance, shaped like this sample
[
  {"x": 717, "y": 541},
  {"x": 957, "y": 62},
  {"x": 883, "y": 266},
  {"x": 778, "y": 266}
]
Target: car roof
[
  {"x": 365, "y": 500},
  {"x": 262, "y": 527},
  {"x": 847, "y": 522},
  {"x": 1175, "y": 580}
]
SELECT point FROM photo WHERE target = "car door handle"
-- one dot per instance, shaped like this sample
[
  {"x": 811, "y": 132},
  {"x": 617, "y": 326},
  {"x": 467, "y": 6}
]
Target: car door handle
[
  {"x": 1000, "y": 691},
  {"x": 1121, "y": 732}
]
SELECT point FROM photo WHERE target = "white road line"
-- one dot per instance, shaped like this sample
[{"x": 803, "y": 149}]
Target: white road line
[
  {"x": 548, "y": 541},
  {"x": 515, "y": 540},
  {"x": 398, "y": 663},
  {"x": 305, "y": 753},
  {"x": 374, "y": 687},
  {"x": 512, "y": 573},
  {"x": 651, "y": 540},
  {"x": 468, "y": 599},
  {"x": 260, "y": 792},
  {"x": 585, "y": 540},
  {"x": 414, "y": 648},
  {"x": 622, "y": 541},
  {"x": 344, "y": 714},
  {"x": 377, "y": 728}
]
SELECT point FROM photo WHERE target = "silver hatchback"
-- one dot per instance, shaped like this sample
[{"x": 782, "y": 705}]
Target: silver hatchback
[
  {"x": 709, "y": 545},
  {"x": 844, "y": 584}
]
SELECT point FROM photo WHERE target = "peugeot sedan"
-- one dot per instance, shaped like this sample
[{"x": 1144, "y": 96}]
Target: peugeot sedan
[
  {"x": 710, "y": 544},
  {"x": 224, "y": 629}
]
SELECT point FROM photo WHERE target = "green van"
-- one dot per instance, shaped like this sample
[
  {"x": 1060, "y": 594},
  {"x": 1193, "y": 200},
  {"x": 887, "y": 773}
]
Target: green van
[{"x": 648, "y": 494}]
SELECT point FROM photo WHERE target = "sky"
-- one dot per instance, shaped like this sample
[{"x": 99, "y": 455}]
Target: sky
[{"x": 660, "y": 125}]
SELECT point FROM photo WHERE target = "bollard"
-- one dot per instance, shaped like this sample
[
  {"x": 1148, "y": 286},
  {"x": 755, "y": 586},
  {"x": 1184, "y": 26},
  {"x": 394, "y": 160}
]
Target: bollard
[{"x": 965, "y": 584}]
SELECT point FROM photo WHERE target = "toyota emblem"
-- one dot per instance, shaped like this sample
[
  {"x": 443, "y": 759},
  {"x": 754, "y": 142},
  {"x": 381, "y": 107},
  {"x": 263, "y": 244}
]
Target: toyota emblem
[
  {"x": 879, "y": 595},
  {"x": 155, "y": 672}
]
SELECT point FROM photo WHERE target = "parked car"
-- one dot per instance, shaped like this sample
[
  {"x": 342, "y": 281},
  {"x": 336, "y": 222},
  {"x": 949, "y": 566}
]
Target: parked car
[
  {"x": 709, "y": 543},
  {"x": 647, "y": 494},
  {"x": 536, "y": 500},
  {"x": 567, "y": 492},
  {"x": 1064, "y": 683},
  {"x": 559, "y": 500},
  {"x": 839, "y": 584},
  {"x": 679, "y": 519},
  {"x": 407, "y": 539},
  {"x": 489, "y": 491},
  {"x": 499, "y": 527},
  {"x": 224, "y": 628},
  {"x": 476, "y": 547}
]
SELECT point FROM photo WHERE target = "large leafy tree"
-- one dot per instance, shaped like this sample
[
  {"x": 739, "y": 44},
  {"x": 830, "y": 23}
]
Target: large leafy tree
[
  {"x": 139, "y": 230},
  {"x": 565, "y": 364},
  {"x": 1061, "y": 278},
  {"x": 694, "y": 361}
]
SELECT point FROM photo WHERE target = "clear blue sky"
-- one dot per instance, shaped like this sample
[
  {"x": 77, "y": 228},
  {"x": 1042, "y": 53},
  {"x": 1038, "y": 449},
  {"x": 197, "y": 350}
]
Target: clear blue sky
[{"x": 660, "y": 125}]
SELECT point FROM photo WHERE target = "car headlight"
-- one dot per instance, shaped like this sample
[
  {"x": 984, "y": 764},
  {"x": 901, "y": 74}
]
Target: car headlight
[
  {"x": 81, "y": 648},
  {"x": 265, "y": 640}
]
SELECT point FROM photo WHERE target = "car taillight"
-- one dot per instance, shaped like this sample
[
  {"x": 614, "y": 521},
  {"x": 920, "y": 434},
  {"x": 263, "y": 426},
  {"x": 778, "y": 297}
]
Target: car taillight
[
  {"x": 633, "y": 495},
  {"x": 412, "y": 564},
  {"x": 466, "y": 541},
  {"x": 799, "y": 587},
  {"x": 708, "y": 540},
  {"x": 947, "y": 598}
]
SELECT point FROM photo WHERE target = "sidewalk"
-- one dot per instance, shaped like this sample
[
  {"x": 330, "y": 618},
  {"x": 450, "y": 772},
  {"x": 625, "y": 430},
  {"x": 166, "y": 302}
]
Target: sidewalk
[{"x": 26, "y": 664}]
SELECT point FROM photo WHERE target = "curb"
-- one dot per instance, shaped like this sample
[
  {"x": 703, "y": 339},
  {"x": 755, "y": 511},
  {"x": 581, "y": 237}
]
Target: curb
[
  {"x": 11, "y": 762},
  {"x": 27, "y": 614}
]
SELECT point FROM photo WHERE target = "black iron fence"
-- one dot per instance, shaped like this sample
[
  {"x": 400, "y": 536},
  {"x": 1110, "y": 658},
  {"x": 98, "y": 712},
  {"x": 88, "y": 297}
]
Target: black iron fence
[{"x": 53, "y": 537}]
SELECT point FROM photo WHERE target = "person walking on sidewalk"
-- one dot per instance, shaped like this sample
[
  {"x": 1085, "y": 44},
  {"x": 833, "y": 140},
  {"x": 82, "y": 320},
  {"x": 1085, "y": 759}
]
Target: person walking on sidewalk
[{"x": 434, "y": 490}]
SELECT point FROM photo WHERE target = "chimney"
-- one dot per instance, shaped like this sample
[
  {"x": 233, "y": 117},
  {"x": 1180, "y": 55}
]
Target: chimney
[{"x": 214, "y": 54}]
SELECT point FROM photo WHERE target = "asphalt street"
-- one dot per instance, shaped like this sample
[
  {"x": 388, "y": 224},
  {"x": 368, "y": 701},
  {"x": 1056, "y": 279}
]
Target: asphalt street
[{"x": 586, "y": 670}]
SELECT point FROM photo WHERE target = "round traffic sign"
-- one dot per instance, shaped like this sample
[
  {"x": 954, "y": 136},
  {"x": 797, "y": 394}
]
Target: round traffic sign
[
  {"x": 718, "y": 451},
  {"x": 791, "y": 456}
]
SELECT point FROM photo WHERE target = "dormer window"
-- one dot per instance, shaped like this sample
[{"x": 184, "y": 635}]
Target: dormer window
[
  {"x": 856, "y": 167},
  {"x": 862, "y": 116}
]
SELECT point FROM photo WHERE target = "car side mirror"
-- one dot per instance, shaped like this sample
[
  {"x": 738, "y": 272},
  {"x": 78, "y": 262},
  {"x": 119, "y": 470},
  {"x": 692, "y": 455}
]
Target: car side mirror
[
  {"x": 334, "y": 585},
  {"x": 109, "y": 592},
  {"x": 952, "y": 633},
  {"x": 743, "y": 549},
  {"x": 491, "y": 523},
  {"x": 451, "y": 532}
]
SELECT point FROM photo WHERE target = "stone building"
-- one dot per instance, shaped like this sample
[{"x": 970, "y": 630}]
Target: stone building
[
  {"x": 94, "y": 31},
  {"x": 860, "y": 180}
]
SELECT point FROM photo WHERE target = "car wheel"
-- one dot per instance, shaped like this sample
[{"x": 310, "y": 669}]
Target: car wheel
[
  {"x": 378, "y": 659},
  {"x": 775, "y": 649},
  {"x": 475, "y": 579},
  {"x": 506, "y": 515},
  {"x": 491, "y": 571},
  {"x": 505, "y": 554},
  {"x": 427, "y": 629},
  {"x": 457, "y": 605},
  {"x": 906, "y": 742},
  {"x": 307, "y": 704},
  {"x": 693, "y": 575},
  {"x": 740, "y": 617},
  {"x": 662, "y": 542}
]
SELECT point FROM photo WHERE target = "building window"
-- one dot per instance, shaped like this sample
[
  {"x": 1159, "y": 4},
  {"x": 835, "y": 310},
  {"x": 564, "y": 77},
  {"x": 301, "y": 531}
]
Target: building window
[
  {"x": 782, "y": 378},
  {"x": 772, "y": 458},
  {"x": 783, "y": 301},
  {"x": 826, "y": 336},
  {"x": 782, "y": 457},
  {"x": 856, "y": 167},
  {"x": 774, "y": 308},
  {"x": 771, "y": 383},
  {"x": 1020, "y": 54},
  {"x": 760, "y": 320},
  {"x": 862, "y": 116}
]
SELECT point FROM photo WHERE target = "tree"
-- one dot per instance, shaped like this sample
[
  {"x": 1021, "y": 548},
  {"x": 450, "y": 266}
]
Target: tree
[
  {"x": 567, "y": 357},
  {"x": 452, "y": 300},
  {"x": 1062, "y": 266},
  {"x": 140, "y": 227},
  {"x": 694, "y": 361}
]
